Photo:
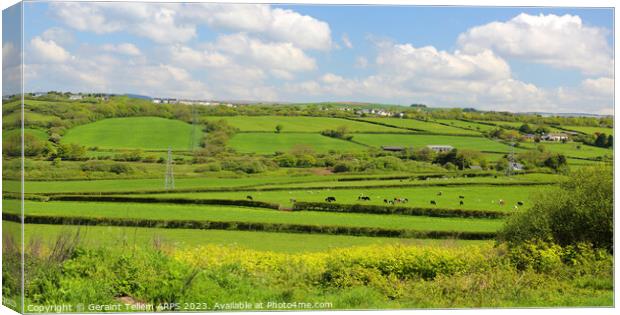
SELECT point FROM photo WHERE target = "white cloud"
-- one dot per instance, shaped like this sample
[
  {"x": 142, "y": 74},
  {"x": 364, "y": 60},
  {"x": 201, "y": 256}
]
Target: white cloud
[
  {"x": 58, "y": 35},
  {"x": 407, "y": 60},
  {"x": 48, "y": 50},
  {"x": 124, "y": 49},
  {"x": 346, "y": 41},
  {"x": 11, "y": 69},
  {"x": 479, "y": 78},
  {"x": 272, "y": 23},
  {"x": 269, "y": 55},
  {"x": 190, "y": 57},
  {"x": 599, "y": 87},
  {"x": 177, "y": 23},
  {"x": 558, "y": 41},
  {"x": 86, "y": 17}
]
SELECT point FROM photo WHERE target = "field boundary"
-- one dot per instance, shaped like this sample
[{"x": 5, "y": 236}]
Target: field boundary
[
  {"x": 222, "y": 202},
  {"x": 260, "y": 189},
  {"x": 417, "y": 131},
  {"x": 414, "y": 211},
  {"x": 251, "y": 226}
]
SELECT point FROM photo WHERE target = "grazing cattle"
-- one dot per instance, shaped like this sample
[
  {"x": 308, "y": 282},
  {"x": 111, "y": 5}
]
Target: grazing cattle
[
  {"x": 502, "y": 202},
  {"x": 406, "y": 200},
  {"x": 248, "y": 197},
  {"x": 461, "y": 197},
  {"x": 330, "y": 199},
  {"x": 439, "y": 193},
  {"x": 293, "y": 200},
  {"x": 520, "y": 203},
  {"x": 385, "y": 201},
  {"x": 433, "y": 202},
  {"x": 495, "y": 176},
  {"x": 366, "y": 198},
  {"x": 516, "y": 207},
  {"x": 461, "y": 202}
]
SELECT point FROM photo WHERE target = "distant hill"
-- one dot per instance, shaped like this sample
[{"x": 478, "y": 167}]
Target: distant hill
[{"x": 144, "y": 97}]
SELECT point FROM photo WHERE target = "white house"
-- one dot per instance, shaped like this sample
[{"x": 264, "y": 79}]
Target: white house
[
  {"x": 440, "y": 148},
  {"x": 555, "y": 137},
  {"x": 75, "y": 97}
]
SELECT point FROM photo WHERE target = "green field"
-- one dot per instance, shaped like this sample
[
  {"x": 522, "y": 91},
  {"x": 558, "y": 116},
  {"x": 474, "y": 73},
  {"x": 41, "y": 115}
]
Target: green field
[
  {"x": 282, "y": 179},
  {"x": 509, "y": 124},
  {"x": 269, "y": 143},
  {"x": 465, "y": 124},
  {"x": 245, "y": 214},
  {"x": 154, "y": 183},
  {"x": 572, "y": 149},
  {"x": 299, "y": 124},
  {"x": 476, "y": 197},
  {"x": 590, "y": 130},
  {"x": 148, "y": 133},
  {"x": 417, "y": 141},
  {"x": 430, "y": 127},
  {"x": 98, "y": 236}
]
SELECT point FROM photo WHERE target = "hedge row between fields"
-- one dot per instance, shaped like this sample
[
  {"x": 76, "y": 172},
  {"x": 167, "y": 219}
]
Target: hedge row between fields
[
  {"x": 415, "y": 211},
  {"x": 222, "y": 202},
  {"x": 248, "y": 226},
  {"x": 257, "y": 189}
]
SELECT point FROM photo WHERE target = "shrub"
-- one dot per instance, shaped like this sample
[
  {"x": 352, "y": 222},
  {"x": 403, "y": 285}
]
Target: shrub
[
  {"x": 120, "y": 168},
  {"x": 579, "y": 211}
]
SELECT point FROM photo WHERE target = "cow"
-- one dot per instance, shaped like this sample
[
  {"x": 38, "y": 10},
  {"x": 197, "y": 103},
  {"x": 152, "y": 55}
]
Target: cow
[
  {"x": 248, "y": 197},
  {"x": 433, "y": 202},
  {"x": 461, "y": 197},
  {"x": 439, "y": 193},
  {"x": 520, "y": 203},
  {"x": 461, "y": 202},
  {"x": 366, "y": 198},
  {"x": 293, "y": 200},
  {"x": 385, "y": 201},
  {"x": 330, "y": 199},
  {"x": 502, "y": 202}
]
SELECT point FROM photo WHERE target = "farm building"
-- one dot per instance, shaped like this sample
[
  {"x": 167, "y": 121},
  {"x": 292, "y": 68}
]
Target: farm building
[
  {"x": 165, "y": 101},
  {"x": 555, "y": 137},
  {"x": 440, "y": 148},
  {"x": 75, "y": 97},
  {"x": 515, "y": 166},
  {"x": 392, "y": 148}
]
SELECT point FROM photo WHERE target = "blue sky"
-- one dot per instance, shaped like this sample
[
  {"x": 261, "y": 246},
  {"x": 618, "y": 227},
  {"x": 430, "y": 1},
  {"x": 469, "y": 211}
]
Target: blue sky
[{"x": 517, "y": 59}]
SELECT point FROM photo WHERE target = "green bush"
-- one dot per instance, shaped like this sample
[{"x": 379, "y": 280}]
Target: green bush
[{"x": 579, "y": 211}]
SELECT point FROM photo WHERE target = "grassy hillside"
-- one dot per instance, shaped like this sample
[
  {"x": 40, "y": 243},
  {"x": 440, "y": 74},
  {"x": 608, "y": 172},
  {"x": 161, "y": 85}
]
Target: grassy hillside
[
  {"x": 590, "y": 130},
  {"x": 149, "y": 133},
  {"x": 422, "y": 125},
  {"x": 417, "y": 141},
  {"x": 300, "y": 124},
  {"x": 268, "y": 143}
]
